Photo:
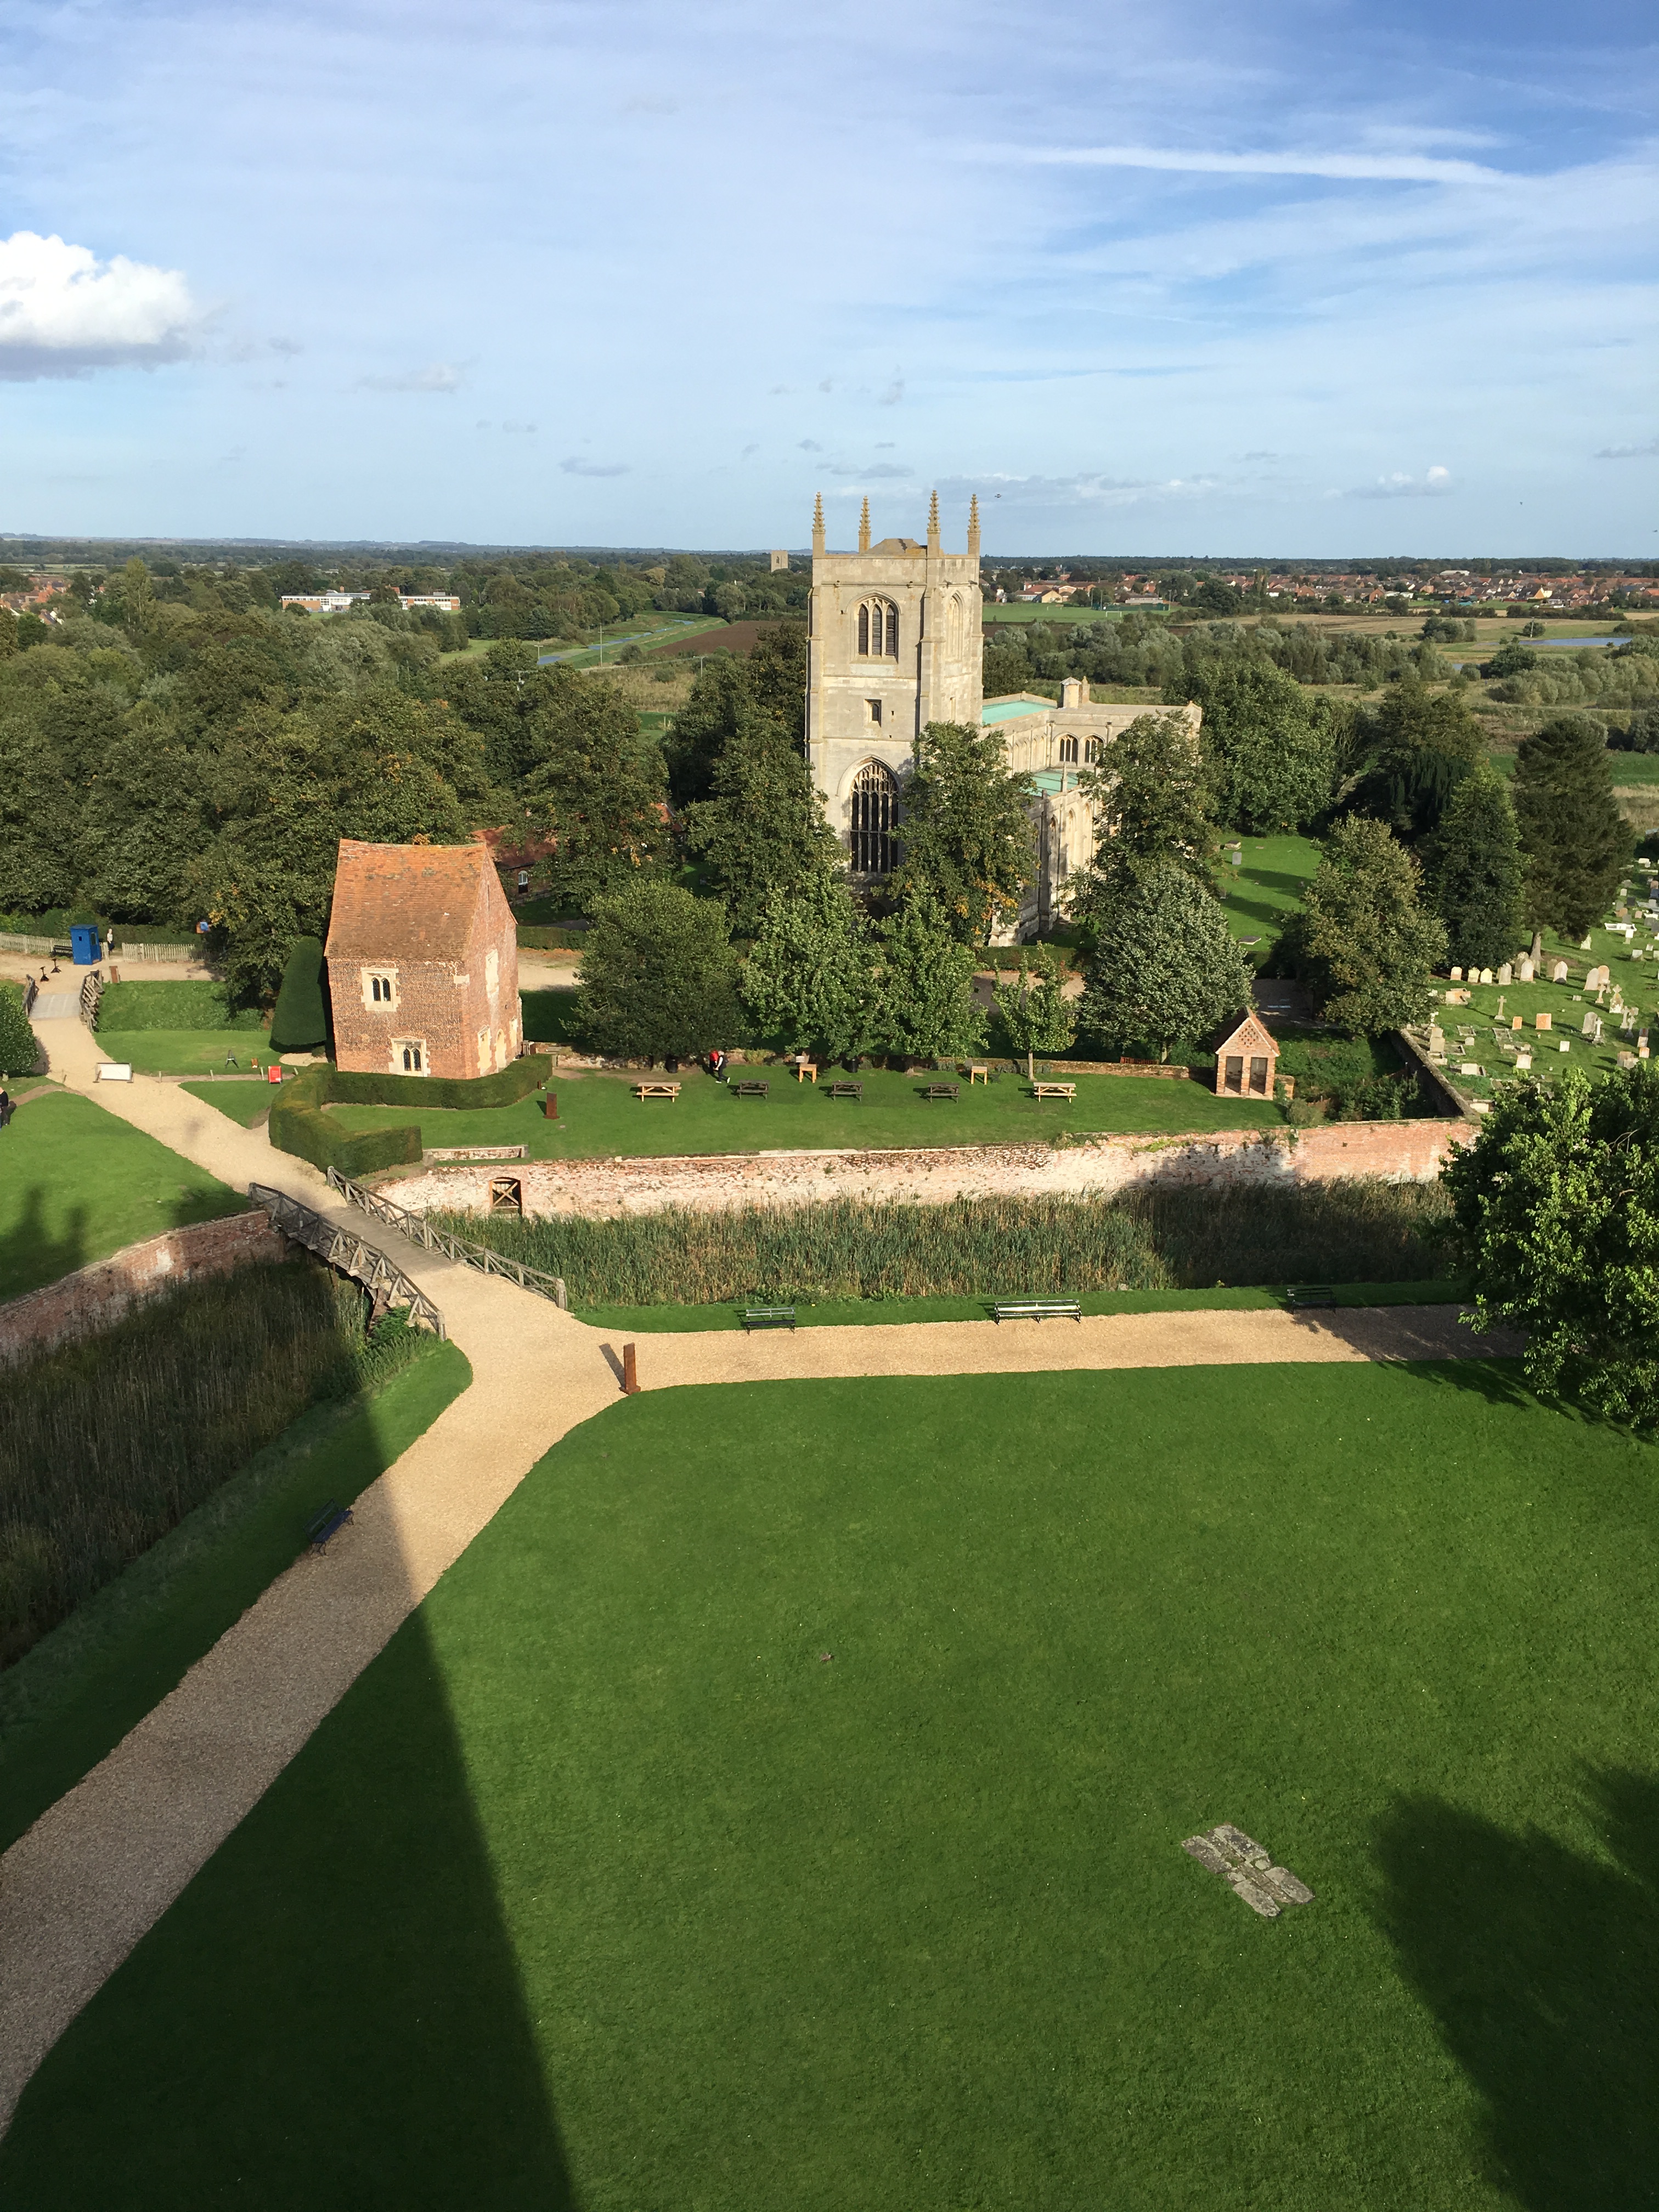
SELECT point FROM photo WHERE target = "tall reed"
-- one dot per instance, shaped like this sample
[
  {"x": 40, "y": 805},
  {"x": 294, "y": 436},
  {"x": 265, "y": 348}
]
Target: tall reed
[
  {"x": 986, "y": 1246},
  {"x": 106, "y": 1445}
]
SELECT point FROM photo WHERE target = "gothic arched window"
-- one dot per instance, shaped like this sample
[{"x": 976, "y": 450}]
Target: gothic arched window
[
  {"x": 1094, "y": 750},
  {"x": 875, "y": 804},
  {"x": 1068, "y": 749},
  {"x": 877, "y": 630}
]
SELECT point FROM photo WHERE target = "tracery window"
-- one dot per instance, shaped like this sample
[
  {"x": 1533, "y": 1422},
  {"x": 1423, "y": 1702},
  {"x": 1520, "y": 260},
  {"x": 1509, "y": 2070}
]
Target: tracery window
[
  {"x": 875, "y": 808},
  {"x": 877, "y": 630},
  {"x": 1068, "y": 749},
  {"x": 1094, "y": 750}
]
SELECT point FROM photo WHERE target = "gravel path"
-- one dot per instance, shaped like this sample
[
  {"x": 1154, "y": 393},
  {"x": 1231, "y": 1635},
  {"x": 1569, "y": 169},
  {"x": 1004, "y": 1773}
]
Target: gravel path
[{"x": 99, "y": 1868}]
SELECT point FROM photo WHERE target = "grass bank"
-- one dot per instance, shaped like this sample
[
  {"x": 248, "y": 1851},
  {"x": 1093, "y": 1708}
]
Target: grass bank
[
  {"x": 975, "y": 1248},
  {"x": 780, "y": 1804}
]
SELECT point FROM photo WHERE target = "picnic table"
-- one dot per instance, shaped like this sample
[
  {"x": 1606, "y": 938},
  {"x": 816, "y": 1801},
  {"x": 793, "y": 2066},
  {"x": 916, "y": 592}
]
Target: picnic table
[
  {"x": 1310, "y": 1294},
  {"x": 847, "y": 1091},
  {"x": 951, "y": 1091},
  {"x": 977, "y": 1073},
  {"x": 1053, "y": 1091},
  {"x": 750, "y": 1089},
  {"x": 644, "y": 1090},
  {"x": 804, "y": 1068}
]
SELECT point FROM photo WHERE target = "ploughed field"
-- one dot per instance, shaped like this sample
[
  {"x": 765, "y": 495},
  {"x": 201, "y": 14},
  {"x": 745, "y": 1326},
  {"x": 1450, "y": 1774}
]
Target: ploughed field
[{"x": 781, "y": 1803}]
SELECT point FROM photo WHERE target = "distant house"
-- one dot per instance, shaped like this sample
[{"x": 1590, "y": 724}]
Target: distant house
[
  {"x": 323, "y": 602},
  {"x": 1245, "y": 1058},
  {"x": 423, "y": 961}
]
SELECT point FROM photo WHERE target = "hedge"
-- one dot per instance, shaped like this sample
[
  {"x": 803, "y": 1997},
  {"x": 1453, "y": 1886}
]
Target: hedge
[
  {"x": 297, "y": 1124},
  {"x": 505, "y": 1088},
  {"x": 301, "y": 1020},
  {"x": 536, "y": 937}
]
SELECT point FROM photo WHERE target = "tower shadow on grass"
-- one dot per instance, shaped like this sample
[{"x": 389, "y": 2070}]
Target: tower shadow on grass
[
  {"x": 1540, "y": 1965},
  {"x": 332, "y": 2015}
]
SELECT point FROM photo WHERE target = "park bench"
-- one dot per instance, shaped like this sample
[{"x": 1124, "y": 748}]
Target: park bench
[
  {"x": 1053, "y": 1091},
  {"x": 748, "y": 1089},
  {"x": 1036, "y": 1309},
  {"x": 806, "y": 1071},
  {"x": 769, "y": 1317},
  {"x": 1310, "y": 1294},
  {"x": 321, "y": 1526},
  {"x": 846, "y": 1091},
  {"x": 668, "y": 1090},
  {"x": 951, "y": 1091}
]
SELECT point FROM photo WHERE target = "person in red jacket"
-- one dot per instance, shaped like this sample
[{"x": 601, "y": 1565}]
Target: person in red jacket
[{"x": 717, "y": 1064}]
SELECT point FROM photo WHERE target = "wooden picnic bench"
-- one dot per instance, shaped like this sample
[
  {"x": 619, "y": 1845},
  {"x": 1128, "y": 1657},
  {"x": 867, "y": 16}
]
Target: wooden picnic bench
[
  {"x": 1311, "y": 1294},
  {"x": 951, "y": 1091},
  {"x": 846, "y": 1091},
  {"x": 978, "y": 1073},
  {"x": 805, "y": 1068},
  {"x": 1038, "y": 1310},
  {"x": 751, "y": 1090},
  {"x": 644, "y": 1090},
  {"x": 769, "y": 1317},
  {"x": 1053, "y": 1091},
  {"x": 321, "y": 1526}
]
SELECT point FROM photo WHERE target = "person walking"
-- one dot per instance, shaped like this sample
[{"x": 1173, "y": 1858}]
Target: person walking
[{"x": 717, "y": 1064}]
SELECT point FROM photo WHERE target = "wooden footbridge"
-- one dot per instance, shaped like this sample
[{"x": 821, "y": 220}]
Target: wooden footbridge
[{"x": 344, "y": 1249}]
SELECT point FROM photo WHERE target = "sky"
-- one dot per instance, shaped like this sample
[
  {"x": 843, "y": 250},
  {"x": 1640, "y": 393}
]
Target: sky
[{"x": 1317, "y": 279}]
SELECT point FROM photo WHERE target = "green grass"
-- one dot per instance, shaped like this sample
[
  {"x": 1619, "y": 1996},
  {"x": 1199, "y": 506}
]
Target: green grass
[
  {"x": 598, "y": 1117},
  {"x": 1261, "y": 896},
  {"x": 243, "y": 1102},
  {"x": 602, "y": 1882},
  {"x": 77, "y": 1183},
  {"x": 126, "y": 1006},
  {"x": 184, "y": 1052},
  {"x": 1565, "y": 1003},
  {"x": 68, "y": 1702}
]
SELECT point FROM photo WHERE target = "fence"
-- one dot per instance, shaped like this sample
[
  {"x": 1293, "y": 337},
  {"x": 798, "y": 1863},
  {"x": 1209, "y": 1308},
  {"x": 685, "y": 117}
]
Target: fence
[
  {"x": 129, "y": 951},
  {"x": 92, "y": 990},
  {"x": 10, "y": 942},
  {"x": 419, "y": 1231},
  {"x": 366, "y": 1263}
]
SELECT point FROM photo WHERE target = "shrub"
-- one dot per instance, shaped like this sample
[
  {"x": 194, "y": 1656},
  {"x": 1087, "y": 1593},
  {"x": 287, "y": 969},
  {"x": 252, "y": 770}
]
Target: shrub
[
  {"x": 20, "y": 1048},
  {"x": 298, "y": 1124},
  {"x": 301, "y": 1020}
]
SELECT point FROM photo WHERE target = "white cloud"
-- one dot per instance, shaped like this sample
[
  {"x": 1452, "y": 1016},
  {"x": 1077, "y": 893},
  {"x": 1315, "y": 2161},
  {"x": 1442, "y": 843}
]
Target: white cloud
[
  {"x": 576, "y": 466},
  {"x": 1400, "y": 485},
  {"x": 1376, "y": 169},
  {"x": 63, "y": 311},
  {"x": 439, "y": 377}
]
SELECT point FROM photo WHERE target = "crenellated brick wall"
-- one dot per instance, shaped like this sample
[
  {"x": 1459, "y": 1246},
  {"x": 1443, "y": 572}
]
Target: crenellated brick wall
[{"x": 95, "y": 1298}]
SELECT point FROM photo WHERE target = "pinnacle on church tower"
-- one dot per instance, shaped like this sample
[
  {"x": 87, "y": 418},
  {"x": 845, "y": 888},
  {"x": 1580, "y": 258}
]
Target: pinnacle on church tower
[
  {"x": 932, "y": 525},
  {"x": 817, "y": 524},
  {"x": 864, "y": 526},
  {"x": 973, "y": 527}
]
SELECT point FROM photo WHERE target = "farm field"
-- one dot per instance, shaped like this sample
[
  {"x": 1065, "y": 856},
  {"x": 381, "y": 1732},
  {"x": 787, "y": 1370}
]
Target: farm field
[
  {"x": 598, "y": 1115},
  {"x": 79, "y": 1183},
  {"x": 780, "y": 1803}
]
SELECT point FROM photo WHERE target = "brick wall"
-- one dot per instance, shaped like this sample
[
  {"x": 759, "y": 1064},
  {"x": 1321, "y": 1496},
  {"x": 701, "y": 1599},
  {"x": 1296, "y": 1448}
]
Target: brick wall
[
  {"x": 464, "y": 1014},
  {"x": 95, "y": 1298}
]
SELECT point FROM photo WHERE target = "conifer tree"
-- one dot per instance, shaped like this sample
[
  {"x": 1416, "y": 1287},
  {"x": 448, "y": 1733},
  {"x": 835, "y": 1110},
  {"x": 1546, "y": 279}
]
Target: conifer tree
[
  {"x": 1476, "y": 871},
  {"x": 1574, "y": 837},
  {"x": 1167, "y": 969}
]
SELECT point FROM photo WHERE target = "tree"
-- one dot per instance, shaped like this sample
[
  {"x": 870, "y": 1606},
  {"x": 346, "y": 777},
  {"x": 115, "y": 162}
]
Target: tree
[
  {"x": 1152, "y": 799},
  {"x": 301, "y": 1020},
  {"x": 1475, "y": 868},
  {"x": 658, "y": 975},
  {"x": 1576, "y": 840},
  {"x": 773, "y": 679},
  {"x": 20, "y": 1048},
  {"x": 967, "y": 837},
  {"x": 1035, "y": 1012},
  {"x": 924, "y": 1004},
  {"x": 807, "y": 981},
  {"x": 1362, "y": 942},
  {"x": 1425, "y": 744},
  {"x": 1270, "y": 757},
  {"x": 1556, "y": 1206},
  {"x": 763, "y": 829},
  {"x": 38, "y": 813},
  {"x": 598, "y": 793},
  {"x": 1165, "y": 968}
]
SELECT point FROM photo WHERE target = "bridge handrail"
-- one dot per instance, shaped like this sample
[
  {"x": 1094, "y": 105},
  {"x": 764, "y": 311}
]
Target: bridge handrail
[
  {"x": 420, "y": 1231},
  {"x": 341, "y": 1248}
]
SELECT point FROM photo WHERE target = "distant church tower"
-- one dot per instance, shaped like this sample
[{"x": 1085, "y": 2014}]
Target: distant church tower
[{"x": 894, "y": 644}]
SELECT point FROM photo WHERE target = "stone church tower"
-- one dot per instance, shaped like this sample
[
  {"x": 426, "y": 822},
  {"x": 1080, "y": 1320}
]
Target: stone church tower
[{"x": 894, "y": 644}]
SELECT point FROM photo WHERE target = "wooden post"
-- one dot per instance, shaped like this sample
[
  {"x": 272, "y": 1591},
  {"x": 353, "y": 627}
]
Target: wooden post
[{"x": 630, "y": 1372}]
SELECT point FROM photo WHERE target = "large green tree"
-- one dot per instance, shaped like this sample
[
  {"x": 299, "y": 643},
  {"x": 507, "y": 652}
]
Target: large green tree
[
  {"x": 727, "y": 689},
  {"x": 1576, "y": 840},
  {"x": 924, "y": 1004},
  {"x": 1270, "y": 756},
  {"x": 1152, "y": 797},
  {"x": 598, "y": 793},
  {"x": 658, "y": 975},
  {"x": 807, "y": 981},
  {"x": 1035, "y": 1012},
  {"x": 1166, "y": 968},
  {"x": 1362, "y": 942},
  {"x": 1475, "y": 870},
  {"x": 1424, "y": 744},
  {"x": 966, "y": 831},
  {"x": 1556, "y": 1205},
  {"x": 761, "y": 829}
]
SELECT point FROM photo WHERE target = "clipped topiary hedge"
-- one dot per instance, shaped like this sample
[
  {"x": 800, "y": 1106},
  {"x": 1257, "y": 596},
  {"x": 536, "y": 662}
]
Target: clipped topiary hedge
[
  {"x": 301, "y": 1020},
  {"x": 297, "y": 1124}
]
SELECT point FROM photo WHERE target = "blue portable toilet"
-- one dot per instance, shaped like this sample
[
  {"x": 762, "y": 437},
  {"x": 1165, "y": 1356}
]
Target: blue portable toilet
[{"x": 83, "y": 943}]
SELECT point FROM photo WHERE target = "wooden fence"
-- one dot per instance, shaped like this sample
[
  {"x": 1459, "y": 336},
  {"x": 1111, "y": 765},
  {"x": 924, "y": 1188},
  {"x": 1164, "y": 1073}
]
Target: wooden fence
[
  {"x": 419, "y": 1231},
  {"x": 366, "y": 1263}
]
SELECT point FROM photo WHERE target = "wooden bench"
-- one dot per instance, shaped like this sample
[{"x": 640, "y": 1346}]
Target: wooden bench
[
  {"x": 747, "y": 1090},
  {"x": 1053, "y": 1091},
  {"x": 1038, "y": 1310},
  {"x": 846, "y": 1091},
  {"x": 644, "y": 1090},
  {"x": 951, "y": 1091},
  {"x": 769, "y": 1317},
  {"x": 806, "y": 1070},
  {"x": 1310, "y": 1294},
  {"x": 329, "y": 1522},
  {"x": 978, "y": 1075}
]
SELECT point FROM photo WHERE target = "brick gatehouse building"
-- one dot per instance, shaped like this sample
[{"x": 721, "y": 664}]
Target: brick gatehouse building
[{"x": 423, "y": 961}]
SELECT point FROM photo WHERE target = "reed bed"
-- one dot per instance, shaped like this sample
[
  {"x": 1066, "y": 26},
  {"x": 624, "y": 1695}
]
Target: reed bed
[
  {"x": 982, "y": 1248},
  {"x": 106, "y": 1445}
]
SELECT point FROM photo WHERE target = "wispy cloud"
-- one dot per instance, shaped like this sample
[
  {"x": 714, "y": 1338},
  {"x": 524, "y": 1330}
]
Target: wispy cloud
[
  {"x": 441, "y": 376},
  {"x": 1369, "y": 168},
  {"x": 64, "y": 313},
  {"x": 577, "y": 465},
  {"x": 1400, "y": 485},
  {"x": 876, "y": 472},
  {"x": 1628, "y": 452}
]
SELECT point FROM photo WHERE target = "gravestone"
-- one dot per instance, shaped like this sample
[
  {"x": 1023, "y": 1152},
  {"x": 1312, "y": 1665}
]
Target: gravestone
[
  {"x": 1592, "y": 1026},
  {"x": 1457, "y": 975},
  {"x": 1515, "y": 1020},
  {"x": 1559, "y": 971},
  {"x": 1523, "y": 968},
  {"x": 1523, "y": 1061},
  {"x": 1248, "y": 1869},
  {"x": 1486, "y": 974},
  {"x": 1506, "y": 974},
  {"x": 1540, "y": 1021}
]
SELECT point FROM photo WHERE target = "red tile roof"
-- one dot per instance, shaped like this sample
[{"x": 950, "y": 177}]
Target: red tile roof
[{"x": 411, "y": 902}]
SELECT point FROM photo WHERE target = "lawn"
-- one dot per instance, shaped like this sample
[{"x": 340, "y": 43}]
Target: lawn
[
  {"x": 71, "y": 1698},
  {"x": 1260, "y": 896},
  {"x": 241, "y": 1101},
  {"x": 184, "y": 1052},
  {"x": 79, "y": 1183},
  {"x": 600, "y": 1117},
  {"x": 780, "y": 1803},
  {"x": 126, "y": 1006}
]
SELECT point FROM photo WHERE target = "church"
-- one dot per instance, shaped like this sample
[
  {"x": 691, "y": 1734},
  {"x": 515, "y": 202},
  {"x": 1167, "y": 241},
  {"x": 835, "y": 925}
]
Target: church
[{"x": 895, "y": 642}]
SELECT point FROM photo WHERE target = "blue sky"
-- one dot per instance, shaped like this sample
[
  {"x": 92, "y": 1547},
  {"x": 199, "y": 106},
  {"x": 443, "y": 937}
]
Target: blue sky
[{"x": 1317, "y": 279}]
